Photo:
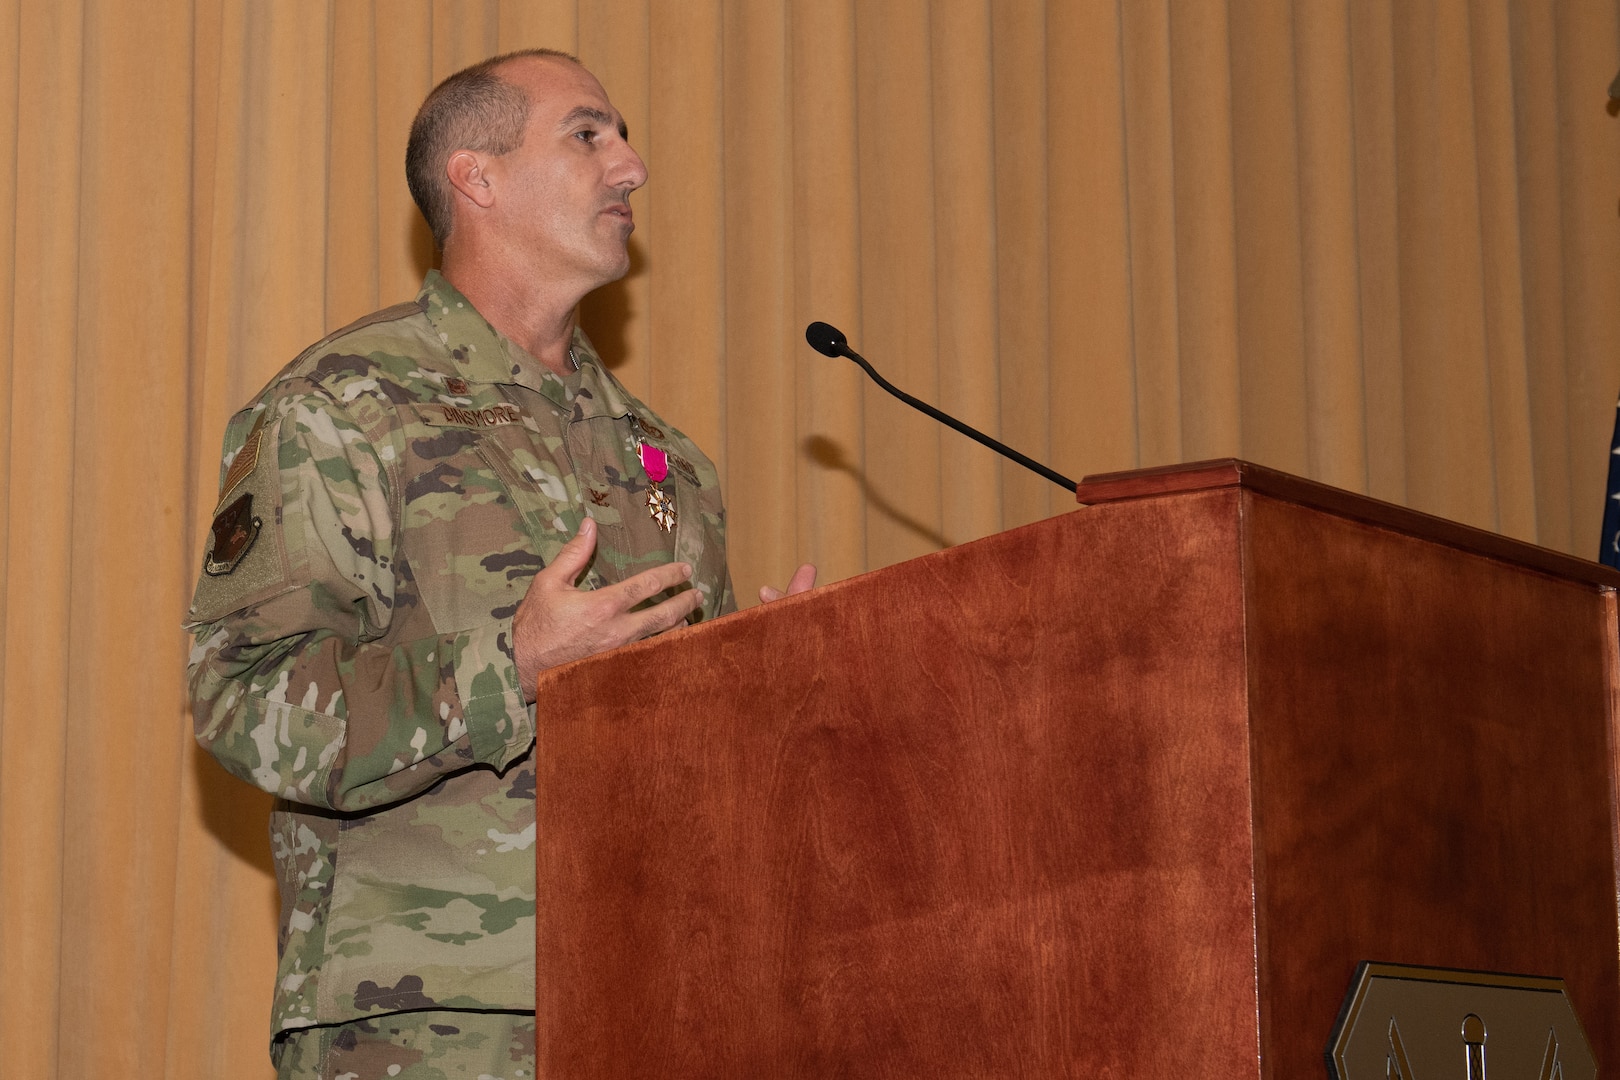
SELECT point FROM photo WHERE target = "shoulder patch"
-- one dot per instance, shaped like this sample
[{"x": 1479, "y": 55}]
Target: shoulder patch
[
  {"x": 235, "y": 528},
  {"x": 246, "y": 458},
  {"x": 244, "y": 562}
]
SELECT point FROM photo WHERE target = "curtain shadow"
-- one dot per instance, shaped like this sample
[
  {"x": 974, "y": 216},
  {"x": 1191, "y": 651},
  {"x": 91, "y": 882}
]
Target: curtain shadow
[
  {"x": 829, "y": 455},
  {"x": 424, "y": 253},
  {"x": 234, "y": 813}
]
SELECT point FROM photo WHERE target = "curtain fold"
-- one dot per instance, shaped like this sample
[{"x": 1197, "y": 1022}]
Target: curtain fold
[
  {"x": 43, "y": 314},
  {"x": 1368, "y": 241}
]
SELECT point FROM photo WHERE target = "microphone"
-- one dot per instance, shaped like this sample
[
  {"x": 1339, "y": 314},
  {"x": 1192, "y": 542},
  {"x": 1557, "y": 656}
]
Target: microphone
[{"x": 828, "y": 340}]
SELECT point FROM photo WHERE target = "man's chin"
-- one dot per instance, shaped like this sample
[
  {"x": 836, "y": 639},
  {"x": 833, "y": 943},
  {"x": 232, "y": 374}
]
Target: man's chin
[
  {"x": 606, "y": 265},
  {"x": 617, "y": 270}
]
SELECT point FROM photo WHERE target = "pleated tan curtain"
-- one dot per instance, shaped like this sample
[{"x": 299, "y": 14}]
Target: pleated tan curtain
[{"x": 1371, "y": 241}]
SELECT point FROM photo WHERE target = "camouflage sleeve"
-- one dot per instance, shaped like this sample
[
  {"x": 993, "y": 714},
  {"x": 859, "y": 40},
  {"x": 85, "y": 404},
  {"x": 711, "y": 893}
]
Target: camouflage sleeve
[{"x": 306, "y": 678}]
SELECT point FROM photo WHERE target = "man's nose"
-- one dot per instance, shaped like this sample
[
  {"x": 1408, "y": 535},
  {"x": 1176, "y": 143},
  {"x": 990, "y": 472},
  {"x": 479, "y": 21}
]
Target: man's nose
[{"x": 629, "y": 171}]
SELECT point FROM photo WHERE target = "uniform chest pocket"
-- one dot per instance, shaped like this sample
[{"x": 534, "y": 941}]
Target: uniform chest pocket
[
  {"x": 604, "y": 502},
  {"x": 480, "y": 523}
]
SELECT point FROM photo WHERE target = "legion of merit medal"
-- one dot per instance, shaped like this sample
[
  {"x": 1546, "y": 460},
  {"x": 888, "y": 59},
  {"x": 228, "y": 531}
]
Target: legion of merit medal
[{"x": 659, "y": 504}]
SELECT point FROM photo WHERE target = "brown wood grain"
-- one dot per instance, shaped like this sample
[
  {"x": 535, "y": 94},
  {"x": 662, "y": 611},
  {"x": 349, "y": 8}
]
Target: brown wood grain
[
  {"x": 1431, "y": 769},
  {"x": 1230, "y": 472},
  {"x": 1123, "y": 793},
  {"x": 985, "y": 814}
]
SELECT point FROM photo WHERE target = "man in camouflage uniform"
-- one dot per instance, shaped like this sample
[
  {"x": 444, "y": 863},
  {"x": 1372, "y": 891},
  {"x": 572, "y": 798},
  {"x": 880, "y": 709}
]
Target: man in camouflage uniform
[{"x": 417, "y": 516}]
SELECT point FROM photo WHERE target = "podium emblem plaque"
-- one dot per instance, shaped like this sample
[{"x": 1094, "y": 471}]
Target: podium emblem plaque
[{"x": 1423, "y": 1023}]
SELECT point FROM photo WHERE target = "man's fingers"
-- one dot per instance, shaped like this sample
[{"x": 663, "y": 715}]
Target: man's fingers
[
  {"x": 575, "y": 555},
  {"x": 649, "y": 583},
  {"x": 667, "y": 613},
  {"x": 804, "y": 579}
]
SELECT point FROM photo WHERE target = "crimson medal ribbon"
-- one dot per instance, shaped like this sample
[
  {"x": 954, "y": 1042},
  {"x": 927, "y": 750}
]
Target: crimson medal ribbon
[
  {"x": 659, "y": 505},
  {"x": 655, "y": 461}
]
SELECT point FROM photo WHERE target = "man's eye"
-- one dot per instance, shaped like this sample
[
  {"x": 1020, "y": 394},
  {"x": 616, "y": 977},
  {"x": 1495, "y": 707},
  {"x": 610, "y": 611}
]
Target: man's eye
[{"x": 585, "y": 136}]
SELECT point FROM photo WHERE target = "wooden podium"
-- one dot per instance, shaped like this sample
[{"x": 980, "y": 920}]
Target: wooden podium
[{"x": 1125, "y": 793}]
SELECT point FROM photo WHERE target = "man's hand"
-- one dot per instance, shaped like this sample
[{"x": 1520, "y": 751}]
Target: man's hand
[
  {"x": 556, "y": 622},
  {"x": 804, "y": 579}
]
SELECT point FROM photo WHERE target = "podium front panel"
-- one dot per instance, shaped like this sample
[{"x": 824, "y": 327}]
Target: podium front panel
[
  {"x": 983, "y": 814},
  {"x": 1125, "y": 792}
]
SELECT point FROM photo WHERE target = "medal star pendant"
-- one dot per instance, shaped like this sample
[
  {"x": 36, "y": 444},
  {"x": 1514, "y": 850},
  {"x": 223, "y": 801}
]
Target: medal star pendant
[{"x": 661, "y": 508}]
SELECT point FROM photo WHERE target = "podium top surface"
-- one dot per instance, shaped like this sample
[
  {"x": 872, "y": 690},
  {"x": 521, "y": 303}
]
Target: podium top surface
[{"x": 1195, "y": 476}]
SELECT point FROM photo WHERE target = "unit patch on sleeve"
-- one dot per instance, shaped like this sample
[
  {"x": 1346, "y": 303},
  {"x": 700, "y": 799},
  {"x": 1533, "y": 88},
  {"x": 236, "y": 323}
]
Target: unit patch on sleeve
[
  {"x": 243, "y": 561},
  {"x": 235, "y": 528}
]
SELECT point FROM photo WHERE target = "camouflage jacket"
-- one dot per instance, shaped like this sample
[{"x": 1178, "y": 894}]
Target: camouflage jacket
[{"x": 384, "y": 503}]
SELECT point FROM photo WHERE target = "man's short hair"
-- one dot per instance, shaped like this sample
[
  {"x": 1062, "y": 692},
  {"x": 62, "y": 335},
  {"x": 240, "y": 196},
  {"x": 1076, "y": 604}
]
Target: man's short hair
[{"x": 474, "y": 109}]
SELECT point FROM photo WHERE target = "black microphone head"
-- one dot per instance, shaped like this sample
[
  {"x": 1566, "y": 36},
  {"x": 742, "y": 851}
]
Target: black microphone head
[{"x": 826, "y": 339}]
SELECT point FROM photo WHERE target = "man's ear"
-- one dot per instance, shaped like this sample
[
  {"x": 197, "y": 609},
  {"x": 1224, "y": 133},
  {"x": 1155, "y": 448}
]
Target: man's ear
[{"x": 465, "y": 171}]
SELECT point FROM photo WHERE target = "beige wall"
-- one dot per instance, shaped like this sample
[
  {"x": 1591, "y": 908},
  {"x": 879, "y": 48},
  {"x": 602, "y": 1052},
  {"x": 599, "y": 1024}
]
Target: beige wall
[{"x": 1370, "y": 241}]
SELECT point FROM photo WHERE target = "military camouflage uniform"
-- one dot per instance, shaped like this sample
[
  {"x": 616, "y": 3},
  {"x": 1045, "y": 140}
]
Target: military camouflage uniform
[
  {"x": 384, "y": 505},
  {"x": 415, "y": 1046}
]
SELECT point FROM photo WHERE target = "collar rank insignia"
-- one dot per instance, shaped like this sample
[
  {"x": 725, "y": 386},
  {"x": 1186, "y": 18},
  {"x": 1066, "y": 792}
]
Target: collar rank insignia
[
  {"x": 659, "y": 504},
  {"x": 235, "y": 528}
]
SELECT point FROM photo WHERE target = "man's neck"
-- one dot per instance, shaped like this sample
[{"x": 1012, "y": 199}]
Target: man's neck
[{"x": 537, "y": 319}]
